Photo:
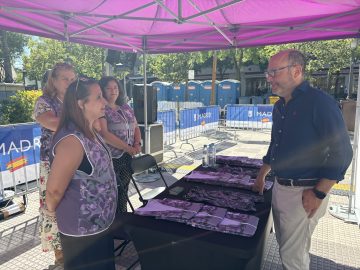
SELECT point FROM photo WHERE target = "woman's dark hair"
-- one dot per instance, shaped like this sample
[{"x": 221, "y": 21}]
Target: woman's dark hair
[
  {"x": 122, "y": 95},
  {"x": 72, "y": 113}
]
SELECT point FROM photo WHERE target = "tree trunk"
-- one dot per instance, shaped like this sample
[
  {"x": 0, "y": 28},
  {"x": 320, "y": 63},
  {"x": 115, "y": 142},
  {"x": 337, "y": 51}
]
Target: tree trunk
[
  {"x": 337, "y": 90},
  {"x": 6, "y": 56},
  {"x": 213, "y": 78},
  {"x": 134, "y": 59},
  {"x": 240, "y": 75}
]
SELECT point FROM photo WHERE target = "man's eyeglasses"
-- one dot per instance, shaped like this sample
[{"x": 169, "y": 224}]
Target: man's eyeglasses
[{"x": 272, "y": 72}]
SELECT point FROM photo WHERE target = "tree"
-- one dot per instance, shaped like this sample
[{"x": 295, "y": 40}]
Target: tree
[
  {"x": 19, "y": 107},
  {"x": 172, "y": 67},
  {"x": 11, "y": 46},
  {"x": 329, "y": 55},
  {"x": 45, "y": 53}
]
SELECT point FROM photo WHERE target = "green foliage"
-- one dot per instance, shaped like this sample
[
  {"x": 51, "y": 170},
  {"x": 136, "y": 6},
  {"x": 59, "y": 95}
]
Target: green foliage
[
  {"x": 172, "y": 67},
  {"x": 331, "y": 54},
  {"x": 45, "y": 53},
  {"x": 16, "y": 43},
  {"x": 19, "y": 107}
]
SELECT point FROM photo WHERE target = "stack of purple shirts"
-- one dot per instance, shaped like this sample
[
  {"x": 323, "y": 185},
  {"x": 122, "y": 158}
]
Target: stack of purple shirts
[
  {"x": 201, "y": 216},
  {"x": 225, "y": 179},
  {"x": 252, "y": 172},
  {"x": 208, "y": 218},
  {"x": 236, "y": 200},
  {"x": 241, "y": 224},
  {"x": 175, "y": 210},
  {"x": 239, "y": 161}
]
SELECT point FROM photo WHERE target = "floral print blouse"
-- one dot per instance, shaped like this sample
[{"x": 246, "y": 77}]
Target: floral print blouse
[
  {"x": 45, "y": 104},
  {"x": 122, "y": 123}
]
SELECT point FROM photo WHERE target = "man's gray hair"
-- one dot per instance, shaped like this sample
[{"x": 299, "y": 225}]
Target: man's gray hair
[{"x": 297, "y": 58}]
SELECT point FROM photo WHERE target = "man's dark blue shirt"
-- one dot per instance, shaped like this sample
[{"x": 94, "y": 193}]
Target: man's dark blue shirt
[{"x": 308, "y": 138}]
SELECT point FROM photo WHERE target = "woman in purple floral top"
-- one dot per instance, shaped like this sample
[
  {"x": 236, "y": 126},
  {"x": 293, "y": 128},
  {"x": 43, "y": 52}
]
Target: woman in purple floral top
[
  {"x": 120, "y": 130},
  {"x": 81, "y": 190},
  {"x": 47, "y": 113}
]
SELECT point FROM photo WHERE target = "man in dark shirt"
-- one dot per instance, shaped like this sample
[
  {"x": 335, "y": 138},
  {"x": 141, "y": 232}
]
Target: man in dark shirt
[{"x": 309, "y": 152}]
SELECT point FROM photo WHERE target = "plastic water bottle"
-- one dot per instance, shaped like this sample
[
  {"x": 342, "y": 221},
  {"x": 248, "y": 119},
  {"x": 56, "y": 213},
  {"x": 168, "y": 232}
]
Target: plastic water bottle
[
  {"x": 205, "y": 157},
  {"x": 212, "y": 155}
]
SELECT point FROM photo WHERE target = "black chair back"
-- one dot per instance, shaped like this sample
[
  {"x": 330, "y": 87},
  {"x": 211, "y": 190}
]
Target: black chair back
[{"x": 143, "y": 163}]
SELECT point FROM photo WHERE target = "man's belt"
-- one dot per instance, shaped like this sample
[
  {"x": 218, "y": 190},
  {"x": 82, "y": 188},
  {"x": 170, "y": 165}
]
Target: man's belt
[{"x": 297, "y": 182}]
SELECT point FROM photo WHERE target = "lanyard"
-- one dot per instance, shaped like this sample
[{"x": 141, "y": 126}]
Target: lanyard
[{"x": 128, "y": 131}]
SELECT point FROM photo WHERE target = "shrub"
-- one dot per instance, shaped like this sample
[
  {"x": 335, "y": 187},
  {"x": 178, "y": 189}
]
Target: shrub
[{"x": 19, "y": 107}]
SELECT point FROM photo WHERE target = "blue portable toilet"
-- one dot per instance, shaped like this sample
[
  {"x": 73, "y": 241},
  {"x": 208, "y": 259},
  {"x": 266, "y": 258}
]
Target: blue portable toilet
[
  {"x": 193, "y": 91},
  {"x": 162, "y": 89},
  {"x": 228, "y": 92},
  {"x": 205, "y": 92},
  {"x": 177, "y": 92}
]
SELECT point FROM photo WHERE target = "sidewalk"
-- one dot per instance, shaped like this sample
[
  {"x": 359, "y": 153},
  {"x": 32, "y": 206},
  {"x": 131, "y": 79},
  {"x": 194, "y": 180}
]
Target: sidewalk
[{"x": 335, "y": 245}]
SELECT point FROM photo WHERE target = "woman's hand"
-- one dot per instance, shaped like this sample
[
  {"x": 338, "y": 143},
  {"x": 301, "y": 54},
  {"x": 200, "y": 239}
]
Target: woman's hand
[
  {"x": 131, "y": 150},
  {"x": 137, "y": 147}
]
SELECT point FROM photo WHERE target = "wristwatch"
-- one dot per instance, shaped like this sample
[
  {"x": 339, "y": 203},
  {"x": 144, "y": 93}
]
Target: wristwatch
[{"x": 319, "y": 194}]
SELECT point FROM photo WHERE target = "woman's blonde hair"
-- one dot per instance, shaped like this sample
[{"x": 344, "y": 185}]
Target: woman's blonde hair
[{"x": 49, "y": 88}]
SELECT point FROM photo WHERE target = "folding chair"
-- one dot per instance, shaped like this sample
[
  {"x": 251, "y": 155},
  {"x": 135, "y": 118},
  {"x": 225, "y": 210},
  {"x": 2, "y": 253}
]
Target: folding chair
[
  {"x": 143, "y": 163},
  {"x": 138, "y": 165},
  {"x": 121, "y": 235}
]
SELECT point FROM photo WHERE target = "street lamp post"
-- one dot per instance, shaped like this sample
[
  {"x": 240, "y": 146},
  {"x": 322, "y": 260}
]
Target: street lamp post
[{"x": 353, "y": 46}]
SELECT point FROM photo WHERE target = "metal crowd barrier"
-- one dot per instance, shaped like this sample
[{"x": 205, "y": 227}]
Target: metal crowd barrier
[
  {"x": 19, "y": 165},
  {"x": 177, "y": 105},
  {"x": 168, "y": 119},
  {"x": 20, "y": 145},
  {"x": 196, "y": 121},
  {"x": 248, "y": 116},
  {"x": 167, "y": 105}
]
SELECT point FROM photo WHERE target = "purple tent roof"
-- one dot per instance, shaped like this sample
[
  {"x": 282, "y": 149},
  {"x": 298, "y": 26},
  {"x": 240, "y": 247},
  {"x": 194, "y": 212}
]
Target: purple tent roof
[{"x": 164, "y": 26}]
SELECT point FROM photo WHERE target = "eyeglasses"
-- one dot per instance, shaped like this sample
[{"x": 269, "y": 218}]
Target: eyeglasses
[{"x": 272, "y": 72}]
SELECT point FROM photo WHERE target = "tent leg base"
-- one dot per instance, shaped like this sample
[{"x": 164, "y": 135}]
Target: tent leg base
[{"x": 342, "y": 212}]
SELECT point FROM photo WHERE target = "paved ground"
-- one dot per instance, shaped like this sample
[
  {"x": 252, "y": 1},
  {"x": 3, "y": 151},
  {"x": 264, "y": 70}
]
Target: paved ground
[{"x": 335, "y": 245}]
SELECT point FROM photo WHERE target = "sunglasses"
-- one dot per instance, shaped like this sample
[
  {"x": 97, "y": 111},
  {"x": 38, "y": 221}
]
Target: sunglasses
[{"x": 81, "y": 79}]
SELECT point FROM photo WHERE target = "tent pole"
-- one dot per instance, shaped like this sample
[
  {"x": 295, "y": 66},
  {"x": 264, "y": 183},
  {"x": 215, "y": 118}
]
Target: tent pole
[
  {"x": 351, "y": 212},
  {"x": 146, "y": 127},
  {"x": 356, "y": 168}
]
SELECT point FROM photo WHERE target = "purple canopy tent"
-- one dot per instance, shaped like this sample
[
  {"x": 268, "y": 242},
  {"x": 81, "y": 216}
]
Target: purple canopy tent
[{"x": 163, "y": 26}]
